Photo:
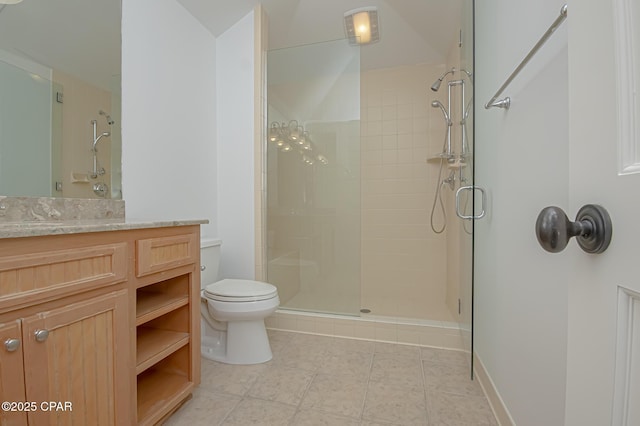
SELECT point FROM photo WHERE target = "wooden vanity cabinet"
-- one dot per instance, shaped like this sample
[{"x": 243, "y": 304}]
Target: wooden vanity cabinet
[
  {"x": 64, "y": 313},
  {"x": 12, "y": 386},
  {"x": 81, "y": 326},
  {"x": 69, "y": 355}
]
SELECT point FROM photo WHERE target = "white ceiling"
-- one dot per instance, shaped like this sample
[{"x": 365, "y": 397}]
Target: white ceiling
[
  {"x": 82, "y": 37},
  {"x": 411, "y": 31},
  {"x": 78, "y": 37}
]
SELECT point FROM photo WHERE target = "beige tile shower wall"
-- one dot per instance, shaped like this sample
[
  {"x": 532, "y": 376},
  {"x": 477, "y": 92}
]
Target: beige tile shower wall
[
  {"x": 81, "y": 104},
  {"x": 404, "y": 263}
]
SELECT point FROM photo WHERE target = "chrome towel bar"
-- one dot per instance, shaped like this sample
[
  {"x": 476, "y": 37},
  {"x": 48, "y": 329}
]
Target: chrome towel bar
[{"x": 506, "y": 102}]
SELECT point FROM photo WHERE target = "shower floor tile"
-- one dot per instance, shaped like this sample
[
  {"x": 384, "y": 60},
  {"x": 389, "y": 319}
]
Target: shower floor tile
[{"x": 319, "y": 380}]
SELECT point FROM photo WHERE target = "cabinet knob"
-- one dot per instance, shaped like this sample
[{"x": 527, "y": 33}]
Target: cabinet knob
[
  {"x": 12, "y": 345},
  {"x": 41, "y": 335}
]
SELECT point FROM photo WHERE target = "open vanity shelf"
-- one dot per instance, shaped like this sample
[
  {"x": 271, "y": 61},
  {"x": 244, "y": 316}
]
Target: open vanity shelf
[
  {"x": 166, "y": 342},
  {"x": 154, "y": 345},
  {"x": 162, "y": 326}
]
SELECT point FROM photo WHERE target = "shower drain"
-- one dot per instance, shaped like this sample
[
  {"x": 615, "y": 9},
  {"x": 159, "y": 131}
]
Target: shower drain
[{"x": 365, "y": 311}]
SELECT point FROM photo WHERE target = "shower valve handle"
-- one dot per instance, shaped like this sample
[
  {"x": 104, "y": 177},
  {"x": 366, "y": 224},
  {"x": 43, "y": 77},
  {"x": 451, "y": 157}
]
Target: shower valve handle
[{"x": 592, "y": 229}]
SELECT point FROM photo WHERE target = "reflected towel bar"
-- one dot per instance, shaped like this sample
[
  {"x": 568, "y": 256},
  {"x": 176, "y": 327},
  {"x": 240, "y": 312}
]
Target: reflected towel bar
[{"x": 506, "y": 102}]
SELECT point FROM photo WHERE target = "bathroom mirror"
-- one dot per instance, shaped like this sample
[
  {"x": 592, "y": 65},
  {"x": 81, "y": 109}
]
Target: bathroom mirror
[{"x": 60, "y": 99}]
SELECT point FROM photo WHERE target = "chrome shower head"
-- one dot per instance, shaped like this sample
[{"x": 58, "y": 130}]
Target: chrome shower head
[
  {"x": 438, "y": 104},
  {"x": 436, "y": 85}
]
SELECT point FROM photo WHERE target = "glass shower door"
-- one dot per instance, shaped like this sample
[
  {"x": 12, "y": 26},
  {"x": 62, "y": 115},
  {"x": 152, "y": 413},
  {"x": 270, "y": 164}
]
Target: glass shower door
[
  {"x": 313, "y": 177},
  {"x": 25, "y": 132},
  {"x": 467, "y": 205}
]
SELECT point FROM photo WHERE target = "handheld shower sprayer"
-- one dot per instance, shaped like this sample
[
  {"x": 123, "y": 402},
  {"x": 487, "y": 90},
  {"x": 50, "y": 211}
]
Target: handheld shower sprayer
[
  {"x": 438, "y": 104},
  {"x": 94, "y": 124},
  {"x": 97, "y": 137},
  {"x": 95, "y": 141}
]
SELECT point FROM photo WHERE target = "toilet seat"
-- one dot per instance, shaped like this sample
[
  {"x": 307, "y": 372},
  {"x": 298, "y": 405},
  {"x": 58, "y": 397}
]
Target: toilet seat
[{"x": 233, "y": 290}]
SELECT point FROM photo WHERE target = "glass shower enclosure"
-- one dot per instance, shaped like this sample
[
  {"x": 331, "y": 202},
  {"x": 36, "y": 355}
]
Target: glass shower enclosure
[
  {"x": 348, "y": 235},
  {"x": 30, "y": 133},
  {"x": 313, "y": 177}
]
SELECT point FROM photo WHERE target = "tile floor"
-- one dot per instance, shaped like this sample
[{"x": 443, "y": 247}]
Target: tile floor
[{"x": 317, "y": 380}]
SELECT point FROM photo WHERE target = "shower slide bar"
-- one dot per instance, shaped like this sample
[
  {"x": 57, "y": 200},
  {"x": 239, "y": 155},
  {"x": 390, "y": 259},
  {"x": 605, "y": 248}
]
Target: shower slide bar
[{"x": 506, "y": 102}]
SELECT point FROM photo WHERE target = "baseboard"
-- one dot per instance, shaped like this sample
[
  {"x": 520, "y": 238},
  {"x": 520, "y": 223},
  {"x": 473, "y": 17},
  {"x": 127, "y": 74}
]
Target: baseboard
[{"x": 498, "y": 406}]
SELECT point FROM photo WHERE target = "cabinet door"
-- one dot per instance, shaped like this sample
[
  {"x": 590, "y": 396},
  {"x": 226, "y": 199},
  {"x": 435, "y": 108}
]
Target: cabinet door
[
  {"x": 71, "y": 357},
  {"x": 11, "y": 373}
]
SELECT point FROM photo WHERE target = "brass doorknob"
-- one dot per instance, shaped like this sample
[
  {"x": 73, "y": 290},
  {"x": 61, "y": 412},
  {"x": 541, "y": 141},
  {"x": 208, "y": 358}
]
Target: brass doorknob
[{"x": 592, "y": 229}]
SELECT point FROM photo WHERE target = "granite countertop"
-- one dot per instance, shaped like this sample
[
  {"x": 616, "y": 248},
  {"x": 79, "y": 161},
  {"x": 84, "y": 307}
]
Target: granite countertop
[
  {"x": 38, "y": 216},
  {"x": 40, "y": 228}
]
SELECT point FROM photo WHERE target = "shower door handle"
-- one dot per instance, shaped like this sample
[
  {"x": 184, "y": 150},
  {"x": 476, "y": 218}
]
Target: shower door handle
[{"x": 471, "y": 188}]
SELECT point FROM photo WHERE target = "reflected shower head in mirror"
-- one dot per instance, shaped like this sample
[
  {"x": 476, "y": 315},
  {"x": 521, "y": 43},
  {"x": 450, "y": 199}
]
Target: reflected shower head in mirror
[
  {"x": 436, "y": 85},
  {"x": 438, "y": 104},
  {"x": 107, "y": 116}
]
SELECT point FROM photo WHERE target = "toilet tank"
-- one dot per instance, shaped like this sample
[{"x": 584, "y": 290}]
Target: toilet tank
[{"x": 209, "y": 260}]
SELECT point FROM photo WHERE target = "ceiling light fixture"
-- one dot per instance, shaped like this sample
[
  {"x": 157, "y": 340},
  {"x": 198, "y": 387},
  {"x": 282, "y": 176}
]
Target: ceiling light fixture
[{"x": 361, "y": 25}]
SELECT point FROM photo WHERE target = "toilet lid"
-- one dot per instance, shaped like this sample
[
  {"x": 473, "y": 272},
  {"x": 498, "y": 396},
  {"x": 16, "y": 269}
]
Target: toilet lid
[{"x": 231, "y": 290}]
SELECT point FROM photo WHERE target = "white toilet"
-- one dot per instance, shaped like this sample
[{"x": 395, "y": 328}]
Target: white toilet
[{"x": 233, "y": 313}]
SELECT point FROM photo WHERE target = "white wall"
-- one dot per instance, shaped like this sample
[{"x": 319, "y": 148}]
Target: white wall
[
  {"x": 235, "y": 106},
  {"x": 522, "y": 159},
  {"x": 169, "y": 114}
]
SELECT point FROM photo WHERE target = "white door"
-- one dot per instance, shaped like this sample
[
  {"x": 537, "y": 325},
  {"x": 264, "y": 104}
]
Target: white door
[{"x": 603, "y": 369}]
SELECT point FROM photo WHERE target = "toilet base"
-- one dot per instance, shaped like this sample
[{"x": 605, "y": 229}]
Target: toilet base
[{"x": 244, "y": 342}]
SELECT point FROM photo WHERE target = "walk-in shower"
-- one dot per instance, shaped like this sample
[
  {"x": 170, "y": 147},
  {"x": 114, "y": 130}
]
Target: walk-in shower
[{"x": 351, "y": 236}]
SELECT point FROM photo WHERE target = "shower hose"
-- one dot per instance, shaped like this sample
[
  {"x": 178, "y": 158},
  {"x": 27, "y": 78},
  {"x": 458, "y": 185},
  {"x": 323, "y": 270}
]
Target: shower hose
[{"x": 438, "y": 196}]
